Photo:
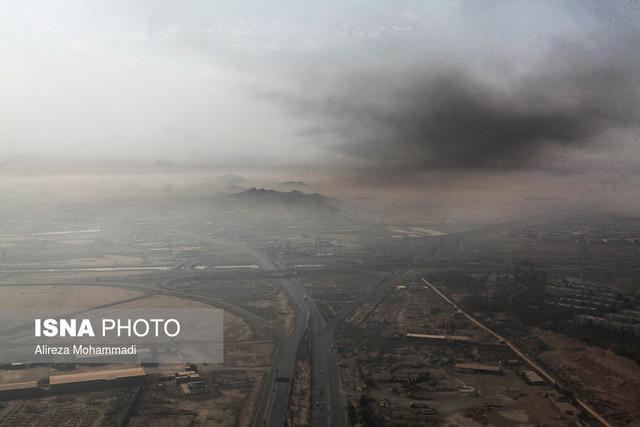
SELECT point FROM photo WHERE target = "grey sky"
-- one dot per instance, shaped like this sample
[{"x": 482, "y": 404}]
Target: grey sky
[{"x": 321, "y": 83}]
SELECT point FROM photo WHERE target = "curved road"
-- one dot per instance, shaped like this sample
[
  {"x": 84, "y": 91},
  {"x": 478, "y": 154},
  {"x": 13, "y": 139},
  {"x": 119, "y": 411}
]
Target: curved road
[{"x": 328, "y": 404}]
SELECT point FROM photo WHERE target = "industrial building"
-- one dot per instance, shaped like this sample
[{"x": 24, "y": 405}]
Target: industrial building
[
  {"x": 189, "y": 381},
  {"x": 478, "y": 368},
  {"x": 186, "y": 376},
  {"x": 90, "y": 379},
  {"x": 439, "y": 338},
  {"x": 532, "y": 377},
  {"x": 19, "y": 390}
]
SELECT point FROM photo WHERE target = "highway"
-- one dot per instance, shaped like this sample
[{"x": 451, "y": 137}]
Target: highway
[
  {"x": 326, "y": 383},
  {"x": 272, "y": 408},
  {"x": 273, "y": 405},
  {"x": 328, "y": 402},
  {"x": 277, "y": 388}
]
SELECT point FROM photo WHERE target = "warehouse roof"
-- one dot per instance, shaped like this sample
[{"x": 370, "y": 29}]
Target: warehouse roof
[
  {"x": 478, "y": 367},
  {"x": 107, "y": 375},
  {"x": 19, "y": 386},
  {"x": 438, "y": 337},
  {"x": 532, "y": 377}
]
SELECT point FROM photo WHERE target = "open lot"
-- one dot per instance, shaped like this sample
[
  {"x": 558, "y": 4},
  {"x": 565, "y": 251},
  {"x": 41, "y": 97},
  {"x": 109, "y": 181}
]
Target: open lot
[{"x": 399, "y": 379}]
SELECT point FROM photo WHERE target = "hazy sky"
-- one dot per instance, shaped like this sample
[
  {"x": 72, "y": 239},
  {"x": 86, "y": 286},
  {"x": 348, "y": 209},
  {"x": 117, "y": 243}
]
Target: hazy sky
[{"x": 366, "y": 87}]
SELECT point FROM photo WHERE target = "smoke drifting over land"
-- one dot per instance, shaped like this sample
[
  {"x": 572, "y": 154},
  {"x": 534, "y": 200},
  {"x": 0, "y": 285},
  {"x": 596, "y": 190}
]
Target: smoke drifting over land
[
  {"x": 491, "y": 95},
  {"x": 431, "y": 117}
]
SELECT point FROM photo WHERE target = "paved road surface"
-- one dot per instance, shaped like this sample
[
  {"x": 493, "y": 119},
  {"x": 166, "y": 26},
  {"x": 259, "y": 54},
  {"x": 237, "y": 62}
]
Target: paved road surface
[
  {"x": 285, "y": 359},
  {"x": 328, "y": 401},
  {"x": 327, "y": 389}
]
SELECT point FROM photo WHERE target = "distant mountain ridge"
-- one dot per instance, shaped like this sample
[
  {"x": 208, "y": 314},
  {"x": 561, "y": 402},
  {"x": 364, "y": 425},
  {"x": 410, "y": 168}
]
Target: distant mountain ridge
[{"x": 292, "y": 199}]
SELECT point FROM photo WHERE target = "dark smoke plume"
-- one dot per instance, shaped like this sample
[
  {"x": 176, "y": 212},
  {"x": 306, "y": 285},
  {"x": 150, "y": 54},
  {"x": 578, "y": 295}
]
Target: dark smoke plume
[{"x": 423, "y": 118}]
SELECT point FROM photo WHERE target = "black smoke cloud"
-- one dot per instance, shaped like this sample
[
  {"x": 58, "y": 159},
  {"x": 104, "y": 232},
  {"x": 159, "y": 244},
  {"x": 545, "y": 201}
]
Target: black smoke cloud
[{"x": 423, "y": 118}]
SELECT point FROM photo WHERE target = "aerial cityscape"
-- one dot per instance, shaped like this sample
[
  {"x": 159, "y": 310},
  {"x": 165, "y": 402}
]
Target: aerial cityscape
[{"x": 380, "y": 213}]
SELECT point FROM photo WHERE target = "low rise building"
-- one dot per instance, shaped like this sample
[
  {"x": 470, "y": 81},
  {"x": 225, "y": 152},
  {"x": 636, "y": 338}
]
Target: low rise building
[
  {"x": 92, "y": 379},
  {"x": 532, "y": 377},
  {"x": 478, "y": 368},
  {"x": 19, "y": 390}
]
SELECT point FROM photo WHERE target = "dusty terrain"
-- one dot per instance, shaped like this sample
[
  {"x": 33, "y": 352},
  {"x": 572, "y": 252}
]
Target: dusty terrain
[
  {"x": 62, "y": 296},
  {"x": 390, "y": 378},
  {"x": 232, "y": 386},
  {"x": 605, "y": 377}
]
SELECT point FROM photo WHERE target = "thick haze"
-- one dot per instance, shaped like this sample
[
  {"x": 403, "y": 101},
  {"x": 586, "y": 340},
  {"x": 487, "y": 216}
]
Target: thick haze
[{"x": 366, "y": 88}]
